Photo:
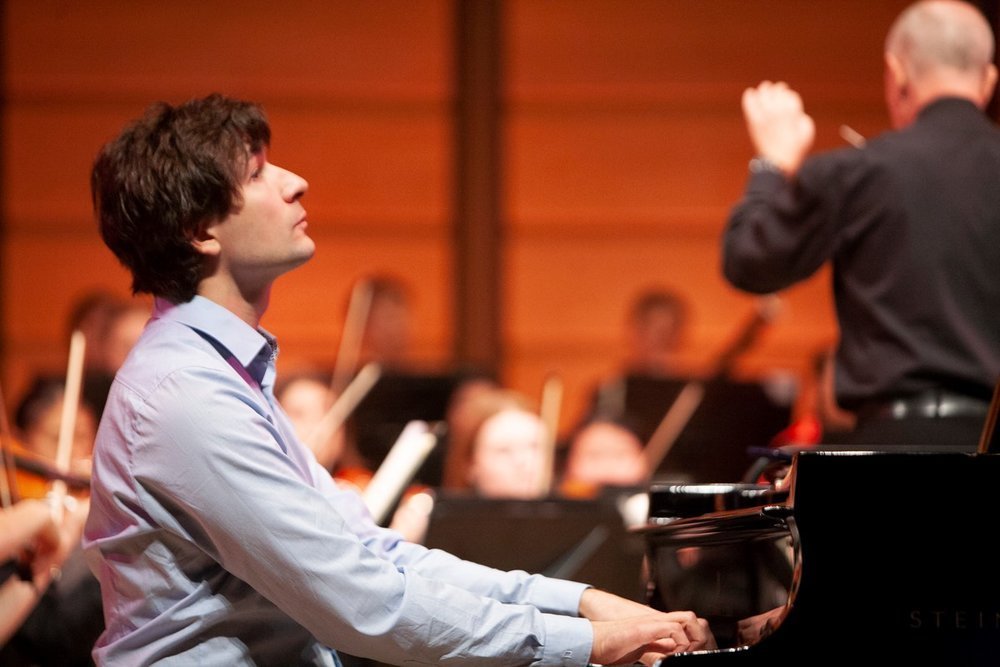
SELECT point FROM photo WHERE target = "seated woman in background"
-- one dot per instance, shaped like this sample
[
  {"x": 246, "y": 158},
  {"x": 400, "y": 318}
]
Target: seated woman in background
[
  {"x": 606, "y": 454},
  {"x": 496, "y": 445},
  {"x": 602, "y": 453}
]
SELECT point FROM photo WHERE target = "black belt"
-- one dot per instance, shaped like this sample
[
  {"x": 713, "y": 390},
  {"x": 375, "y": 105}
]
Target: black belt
[{"x": 931, "y": 404}]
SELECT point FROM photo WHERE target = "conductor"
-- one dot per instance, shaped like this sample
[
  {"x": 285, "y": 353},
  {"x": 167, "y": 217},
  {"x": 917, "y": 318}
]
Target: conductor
[{"x": 910, "y": 221}]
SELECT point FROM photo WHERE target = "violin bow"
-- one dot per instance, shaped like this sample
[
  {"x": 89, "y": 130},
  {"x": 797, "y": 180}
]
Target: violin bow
[
  {"x": 345, "y": 403},
  {"x": 67, "y": 423},
  {"x": 352, "y": 336}
]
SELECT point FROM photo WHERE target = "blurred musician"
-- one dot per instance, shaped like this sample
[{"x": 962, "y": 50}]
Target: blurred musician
[
  {"x": 604, "y": 452},
  {"x": 33, "y": 546},
  {"x": 306, "y": 397},
  {"x": 388, "y": 329},
  {"x": 92, "y": 314},
  {"x": 909, "y": 221},
  {"x": 110, "y": 324},
  {"x": 653, "y": 331},
  {"x": 217, "y": 537},
  {"x": 37, "y": 420},
  {"x": 495, "y": 445},
  {"x": 695, "y": 426},
  {"x": 605, "y": 456},
  {"x": 51, "y": 608}
]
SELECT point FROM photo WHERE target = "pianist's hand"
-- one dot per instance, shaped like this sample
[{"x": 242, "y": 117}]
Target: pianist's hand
[
  {"x": 648, "y": 637},
  {"x": 630, "y": 629}
]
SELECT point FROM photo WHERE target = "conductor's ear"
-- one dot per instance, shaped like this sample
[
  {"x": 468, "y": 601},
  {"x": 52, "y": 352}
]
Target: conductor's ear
[
  {"x": 989, "y": 85},
  {"x": 896, "y": 76},
  {"x": 899, "y": 96}
]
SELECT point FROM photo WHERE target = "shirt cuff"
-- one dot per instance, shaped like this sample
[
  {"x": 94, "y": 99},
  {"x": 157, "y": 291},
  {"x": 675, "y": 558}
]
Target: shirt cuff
[
  {"x": 558, "y": 596},
  {"x": 766, "y": 182},
  {"x": 568, "y": 641}
]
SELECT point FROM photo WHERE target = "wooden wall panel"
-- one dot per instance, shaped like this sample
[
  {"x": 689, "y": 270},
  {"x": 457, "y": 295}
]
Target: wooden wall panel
[
  {"x": 656, "y": 49},
  {"x": 359, "y": 97},
  {"x": 308, "y": 305},
  {"x": 368, "y": 170},
  {"x": 43, "y": 274},
  {"x": 625, "y": 150},
  {"x": 595, "y": 167},
  {"x": 391, "y": 51}
]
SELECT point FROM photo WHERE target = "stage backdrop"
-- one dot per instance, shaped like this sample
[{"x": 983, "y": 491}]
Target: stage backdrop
[{"x": 621, "y": 141}]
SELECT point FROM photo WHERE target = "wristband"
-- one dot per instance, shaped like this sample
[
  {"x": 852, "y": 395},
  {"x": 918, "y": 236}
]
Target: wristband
[{"x": 764, "y": 165}]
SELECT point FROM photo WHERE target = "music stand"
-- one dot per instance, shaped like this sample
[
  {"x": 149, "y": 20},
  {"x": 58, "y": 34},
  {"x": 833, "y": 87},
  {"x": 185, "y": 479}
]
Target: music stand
[
  {"x": 731, "y": 417},
  {"x": 395, "y": 400},
  {"x": 579, "y": 540}
]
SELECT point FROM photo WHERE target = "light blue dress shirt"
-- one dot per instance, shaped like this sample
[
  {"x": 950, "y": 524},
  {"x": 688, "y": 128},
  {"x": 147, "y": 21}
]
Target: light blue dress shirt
[{"x": 218, "y": 539}]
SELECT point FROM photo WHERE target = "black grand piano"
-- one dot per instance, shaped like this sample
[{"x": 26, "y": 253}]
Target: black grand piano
[{"x": 873, "y": 557}]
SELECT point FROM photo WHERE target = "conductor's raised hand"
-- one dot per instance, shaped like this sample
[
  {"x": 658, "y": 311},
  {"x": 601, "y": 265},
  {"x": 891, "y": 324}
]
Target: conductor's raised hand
[{"x": 778, "y": 125}]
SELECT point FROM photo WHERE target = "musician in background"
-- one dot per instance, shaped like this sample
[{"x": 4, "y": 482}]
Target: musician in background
[
  {"x": 110, "y": 325},
  {"x": 91, "y": 313},
  {"x": 67, "y": 617},
  {"x": 388, "y": 331},
  {"x": 29, "y": 533},
  {"x": 654, "y": 327},
  {"x": 306, "y": 396},
  {"x": 657, "y": 320},
  {"x": 604, "y": 458},
  {"x": 495, "y": 447},
  {"x": 38, "y": 417},
  {"x": 603, "y": 453},
  {"x": 216, "y": 535},
  {"x": 909, "y": 220},
  {"x": 124, "y": 326}
]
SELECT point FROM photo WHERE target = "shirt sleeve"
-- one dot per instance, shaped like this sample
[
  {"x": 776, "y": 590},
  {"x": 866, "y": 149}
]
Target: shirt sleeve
[
  {"x": 556, "y": 596},
  {"x": 782, "y": 230},
  {"x": 218, "y": 474}
]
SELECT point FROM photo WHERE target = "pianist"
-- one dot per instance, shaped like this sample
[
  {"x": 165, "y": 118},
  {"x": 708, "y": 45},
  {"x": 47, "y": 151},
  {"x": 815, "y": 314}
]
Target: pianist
[
  {"x": 909, "y": 221},
  {"x": 215, "y": 534}
]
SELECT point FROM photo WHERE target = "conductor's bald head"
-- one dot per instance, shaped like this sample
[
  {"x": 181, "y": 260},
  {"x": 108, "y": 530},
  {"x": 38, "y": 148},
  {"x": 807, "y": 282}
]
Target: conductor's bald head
[{"x": 938, "y": 48}]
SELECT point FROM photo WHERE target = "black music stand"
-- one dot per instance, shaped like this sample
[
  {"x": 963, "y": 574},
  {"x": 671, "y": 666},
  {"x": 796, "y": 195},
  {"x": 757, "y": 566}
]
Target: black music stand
[
  {"x": 579, "y": 540},
  {"x": 395, "y": 400},
  {"x": 714, "y": 446}
]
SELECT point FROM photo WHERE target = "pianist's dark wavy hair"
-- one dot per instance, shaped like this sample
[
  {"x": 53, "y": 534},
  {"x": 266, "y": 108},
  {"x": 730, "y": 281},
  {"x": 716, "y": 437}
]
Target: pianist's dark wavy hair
[{"x": 165, "y": 178}]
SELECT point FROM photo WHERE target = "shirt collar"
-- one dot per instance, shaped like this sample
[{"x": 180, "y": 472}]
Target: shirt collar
[
  {"x": 946, "y": 105},
  {"x": 255, "y": 349}
]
